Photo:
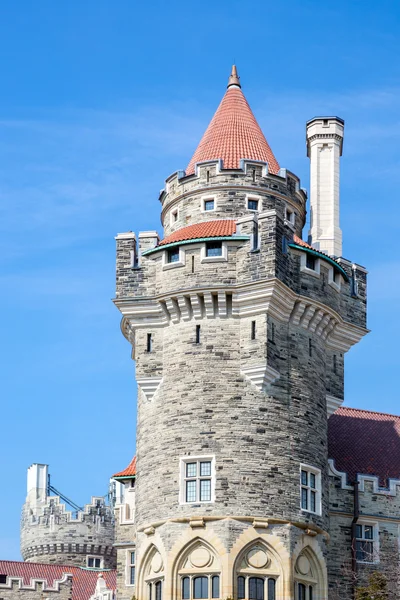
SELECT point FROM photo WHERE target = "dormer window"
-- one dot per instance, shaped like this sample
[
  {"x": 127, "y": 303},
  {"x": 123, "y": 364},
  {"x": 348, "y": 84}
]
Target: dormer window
[
  {"x": 93, "y": 562},
  {"x": 252, "y": 204},
  {"x": 213, "y": 249},
  {"x": 310, "y": 262},
  {"x": 173, "y": 255}
]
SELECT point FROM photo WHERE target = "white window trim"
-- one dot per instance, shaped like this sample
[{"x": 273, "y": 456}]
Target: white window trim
[
  {"x": 129, "y": 500},
  {"x": 318, "y": 480},
  {"x": 180, "y": 263},
  {"x": 375, "y": 540},
  {"x": 174, "y": 211},
  {"x": 290, "y": 217},
  {"x": 182, "y": 469},
  {"x": 331, "y": 279},
  {"x": 95, "y": 558},
  {"x": 257, "y": 199},
  {"x": 223, "y": 258},
  {"x": 128, "y": 568},
  {"x": 204, "y": 199},
  {"x": 303, "y": 265}
]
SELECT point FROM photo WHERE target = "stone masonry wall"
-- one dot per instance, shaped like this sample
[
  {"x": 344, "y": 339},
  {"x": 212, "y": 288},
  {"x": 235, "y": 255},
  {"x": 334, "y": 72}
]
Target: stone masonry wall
[
  {"x": 379, "y": 509},
  {"x": 13, "y": 591}
]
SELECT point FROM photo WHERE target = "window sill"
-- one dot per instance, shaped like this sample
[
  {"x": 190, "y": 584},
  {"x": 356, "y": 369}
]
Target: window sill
[
  {"x": 335, "y": 286},
  {"x": 310, "y": 272},
  {"x": 289, "y": 224},
  {"x": 213, "y": 259},
  {"x": 173, "y": 265},
  {"x": 311, "y": 512}
]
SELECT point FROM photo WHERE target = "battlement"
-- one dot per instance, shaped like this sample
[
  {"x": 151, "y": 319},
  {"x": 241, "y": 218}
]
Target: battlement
[
  {"x": 51, "y": 533},
  {"x": 183, "y": 196}
]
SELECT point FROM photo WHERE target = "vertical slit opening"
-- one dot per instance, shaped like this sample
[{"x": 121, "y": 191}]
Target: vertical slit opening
[
  {"x": 149, "y": 342},
  {"x": 197, "y": 334},
  {"x": 253, "y": 330}
]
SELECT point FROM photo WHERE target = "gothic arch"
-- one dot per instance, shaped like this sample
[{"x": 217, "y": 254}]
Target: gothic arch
[
  {"x": 310, "y": 568},
  {"x": 197, "y": 557},
  {"x": 152, "y": 570},
  {"x": 261, "y": 556}
]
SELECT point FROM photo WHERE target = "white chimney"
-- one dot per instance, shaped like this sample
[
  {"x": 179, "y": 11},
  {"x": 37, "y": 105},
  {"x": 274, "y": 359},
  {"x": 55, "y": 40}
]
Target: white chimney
[
  {"x": 324, "y": 148},
  {"x": 37, "y": 483}
]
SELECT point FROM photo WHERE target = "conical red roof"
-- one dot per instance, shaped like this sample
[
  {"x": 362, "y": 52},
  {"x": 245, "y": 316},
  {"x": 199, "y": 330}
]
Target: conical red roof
[
  {"x": 233, "y": 134},
  {"x": 130, "y": 470}
]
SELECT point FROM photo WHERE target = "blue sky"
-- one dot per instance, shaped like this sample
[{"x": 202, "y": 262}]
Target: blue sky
[{"x": 100, "y": 102}]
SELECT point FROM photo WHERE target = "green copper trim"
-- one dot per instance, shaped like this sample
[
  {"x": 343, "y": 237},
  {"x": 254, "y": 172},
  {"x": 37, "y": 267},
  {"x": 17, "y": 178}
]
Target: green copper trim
[
  {"x": 322, "y": 257},
  {"x": 240, "y": 238}
]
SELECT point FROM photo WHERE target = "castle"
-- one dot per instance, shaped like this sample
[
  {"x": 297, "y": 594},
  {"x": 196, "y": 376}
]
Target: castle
[{"x": 250, "y": 481}]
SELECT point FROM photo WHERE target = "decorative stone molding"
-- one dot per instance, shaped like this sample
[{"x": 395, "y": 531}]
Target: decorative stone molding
[
  {"x": 267, "y": 296},
  {"x": 332, "y": 404},
  {"x": 149, "y": 530},
  {"x": 196, "y": 522},
  {"x": 149, "y": 386},
  {"x": 392, "y": 490},
  {"x": 261, "y": 375},
  {"x": 260, "y": 524}
]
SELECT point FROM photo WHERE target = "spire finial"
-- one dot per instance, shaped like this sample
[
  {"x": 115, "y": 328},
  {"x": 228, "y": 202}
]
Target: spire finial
[{"x": 234, "y": 78}]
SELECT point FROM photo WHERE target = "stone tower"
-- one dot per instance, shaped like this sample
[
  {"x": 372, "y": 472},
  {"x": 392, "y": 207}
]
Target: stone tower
[
  {"x": 52, "y": 534},
  {"x": 239, "y": 330}
]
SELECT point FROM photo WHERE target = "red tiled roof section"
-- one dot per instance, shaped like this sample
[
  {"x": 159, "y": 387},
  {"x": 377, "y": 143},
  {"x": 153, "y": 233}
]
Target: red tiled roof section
[
  {"x": 365, "y": 442},
  {"x": 301, "y": 242},
  {"x": 233, "y": 134},
  {"x": 130, "y": 470},
  {"x": 221, "y": 228},
  {"x": 83, "y": 580}
]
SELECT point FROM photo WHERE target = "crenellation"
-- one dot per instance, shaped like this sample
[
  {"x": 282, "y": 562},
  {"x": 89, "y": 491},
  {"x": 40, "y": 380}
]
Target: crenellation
[{"x": 249, "y": 326}]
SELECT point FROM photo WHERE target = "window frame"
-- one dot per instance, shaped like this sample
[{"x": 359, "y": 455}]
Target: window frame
[
  {"x": 94, "y": 558},
  {"x": 208, "y": 199},
  {"x": 184, "y": 461},
  {"x": 266, "y": 577},
  {"x": 335, "y": 279},
  {"x": 290, "y": 216},
  {"x": 257, "y": 201},
  {"x": 303, "y": 265},
  {"x": 129, "y": 566},
  {"x": 318, "y": 496},
  {"x": 222, "y": 258},
  {"x": 374, "y": 540},
  {"x": 191, "y": 576},
  {"x": 254, "y": 198},
  {"x": 173, "y": 265},
  {"x": 174, "y": 216}
]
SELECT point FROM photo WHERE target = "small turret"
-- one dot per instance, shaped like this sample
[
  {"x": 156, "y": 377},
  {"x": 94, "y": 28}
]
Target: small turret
[
  {"x": 324, "y": 148},
  {"x": 52, "y": 534}
]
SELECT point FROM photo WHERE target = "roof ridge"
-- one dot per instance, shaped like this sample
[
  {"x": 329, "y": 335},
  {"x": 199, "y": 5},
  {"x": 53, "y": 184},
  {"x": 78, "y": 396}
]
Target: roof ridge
[{"x": 375, "y": 412}]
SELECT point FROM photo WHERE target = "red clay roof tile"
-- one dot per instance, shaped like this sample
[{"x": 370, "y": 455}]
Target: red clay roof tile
[
  {"x": 221, "y": 228},
  {"x": 130, "y": 470},
  {"x": 83, "y": 580},
  {"x": 365, "y": 442},
  {"x": 233, "y": 134}
]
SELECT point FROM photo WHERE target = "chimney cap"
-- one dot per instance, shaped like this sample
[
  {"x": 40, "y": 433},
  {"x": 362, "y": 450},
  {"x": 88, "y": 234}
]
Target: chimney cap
[{"x": 325, "y": 119}]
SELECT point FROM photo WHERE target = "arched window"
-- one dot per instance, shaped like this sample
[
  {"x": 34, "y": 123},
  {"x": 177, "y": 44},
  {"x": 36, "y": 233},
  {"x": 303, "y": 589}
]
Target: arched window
[
  {"x": 198, "y": 572},
  {"x": 158, "y": 587},
  {"x": 256, "y": 588},
  {"x": 200, "y": 588},
  {"x": 257, "y": 571},
  {"x": 308, "y": 576},
  {"x": 185, "y": 588},
  {"x": 215, "y": 586},
  {"x": 304, "y": 592}
]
